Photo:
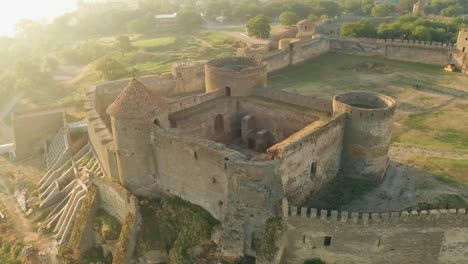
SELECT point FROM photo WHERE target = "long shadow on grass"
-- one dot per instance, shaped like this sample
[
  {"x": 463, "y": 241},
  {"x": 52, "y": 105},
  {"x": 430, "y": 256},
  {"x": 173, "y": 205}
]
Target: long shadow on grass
[{"x": 399, "y": 188}]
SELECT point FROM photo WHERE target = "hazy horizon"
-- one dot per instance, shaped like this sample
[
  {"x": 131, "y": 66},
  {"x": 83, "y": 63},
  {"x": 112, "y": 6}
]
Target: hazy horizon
[{"x": 12, "y": 12}]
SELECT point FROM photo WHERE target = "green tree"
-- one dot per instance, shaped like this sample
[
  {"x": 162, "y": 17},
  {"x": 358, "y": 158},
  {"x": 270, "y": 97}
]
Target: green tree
[
  {"x": 188, "y": 20},
  {"x": 124, "y": 44},
  {"x": 367, "y": 6},
  {"x": 421, "y": 33},
  {"x": 363, "y": 28},
  {"x": 313, "y": 18},
  {"x": 110, "y": 68},
  {"x": 259, "y": 26},
  {"x": 381, "y": 10},
  {"x": 453, "y": 10},
  {"x": 289, "y": 18}
]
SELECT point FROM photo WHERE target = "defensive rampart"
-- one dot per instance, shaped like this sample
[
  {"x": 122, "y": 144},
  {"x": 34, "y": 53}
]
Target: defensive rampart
[
  {"x": 420, "y": 218},
  {"x": 426, "y": 52},
  {"x": 309, "y": 158},
  {"x": 434, "y": 236},
  {"x": 313, "y": 102},
  {"x": 295, "y": 52}
]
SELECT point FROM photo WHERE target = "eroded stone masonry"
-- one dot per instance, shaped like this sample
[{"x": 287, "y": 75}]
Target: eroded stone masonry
[{"x": 217, "y": 136}]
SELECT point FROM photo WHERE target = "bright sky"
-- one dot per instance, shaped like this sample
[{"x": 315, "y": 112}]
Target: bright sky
[{"x": 14, "y": 10}]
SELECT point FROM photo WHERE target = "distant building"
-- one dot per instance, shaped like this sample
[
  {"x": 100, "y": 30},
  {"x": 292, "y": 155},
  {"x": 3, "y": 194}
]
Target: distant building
[
  {"x": 100, "y": 6},
  {"x": 418, "y": 8},
  {"x": 165, "y": 20}
]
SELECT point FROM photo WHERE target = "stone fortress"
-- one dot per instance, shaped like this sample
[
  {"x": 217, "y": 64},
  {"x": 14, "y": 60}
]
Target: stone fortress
[{"x": 215, "y": 135}]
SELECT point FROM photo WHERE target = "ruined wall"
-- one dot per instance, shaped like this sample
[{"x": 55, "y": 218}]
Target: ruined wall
[
  {"x": 254, "y": 196},
  {"x": 313, "y": 102},
  {"x": 203, "y": 178},
  {"x": 460, "y": 59},
  {"x": 309, "y": 158},
  {"x": 189, "y": 77},
  {"x": 278, "y": 60},
  {"x": 200, "y": 120},
  {"x": 183, "y": 103},
  {"x": 279, "y": 121},
  {"x": 434, "y": 53},
  {"x": 306, "y": 50},
  {"x": 121, "y": 204},
  {"x": 296, "y": 52},
  {"x": 32, "y": 127},
  {"x": 462, "y": 40},
  {"x": 368, "y": 131},
  {"x": 435, "y": 236}
]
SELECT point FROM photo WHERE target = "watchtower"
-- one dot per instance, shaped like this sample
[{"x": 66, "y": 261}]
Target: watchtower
[
  {"x": 368, "y": 131},
  {"x": 132, "y": 115}
]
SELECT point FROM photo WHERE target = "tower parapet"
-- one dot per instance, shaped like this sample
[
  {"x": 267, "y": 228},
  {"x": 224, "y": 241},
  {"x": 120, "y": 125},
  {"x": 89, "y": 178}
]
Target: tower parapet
[
  {"x": 235, "y": 76},
  {"x": 368, "y": 132}
]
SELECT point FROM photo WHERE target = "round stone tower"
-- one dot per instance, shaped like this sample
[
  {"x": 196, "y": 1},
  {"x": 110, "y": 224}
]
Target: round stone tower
[
  {"x": 235, "y": 76},
  {"x": 132, "y": 114},
  {"x": 367, "y": 136}
]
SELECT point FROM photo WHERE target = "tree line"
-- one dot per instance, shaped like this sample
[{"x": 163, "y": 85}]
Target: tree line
[{"x": 408, "y": 27}]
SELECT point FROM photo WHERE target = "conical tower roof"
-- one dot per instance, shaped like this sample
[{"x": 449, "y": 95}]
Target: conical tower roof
[{"x": 135, "y": 102}]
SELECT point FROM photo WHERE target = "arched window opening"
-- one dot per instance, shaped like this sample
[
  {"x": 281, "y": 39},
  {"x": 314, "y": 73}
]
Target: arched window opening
[
  {"x": 219, "y": 124},
  {"x": 179, "y": 75},
  {"x": 156, "y": 122},
  {"x": 227, "y": 91}
]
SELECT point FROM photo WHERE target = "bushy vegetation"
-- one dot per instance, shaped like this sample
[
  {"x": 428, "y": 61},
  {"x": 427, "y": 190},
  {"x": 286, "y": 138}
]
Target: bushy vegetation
[
  {"x": 124, "y": 238},
  {"x": 10, "y": 244},
  {"x": 314, "y": 261},
  {"x": 289, "y": 18},
  {"x": 109, "y": 226},
  {"x": 259, "y": 26},
  {"x": 268, "y": 247},
  {"x": 408, "y": 27},
  {"x": 174, "y": 226}
]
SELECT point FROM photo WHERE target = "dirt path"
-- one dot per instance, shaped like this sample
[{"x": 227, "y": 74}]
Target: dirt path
[{"x": 23, "y": 226}]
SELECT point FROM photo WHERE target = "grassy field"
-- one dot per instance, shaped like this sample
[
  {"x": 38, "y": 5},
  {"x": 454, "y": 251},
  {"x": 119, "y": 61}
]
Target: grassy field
[{"x": 432, "y": 108}]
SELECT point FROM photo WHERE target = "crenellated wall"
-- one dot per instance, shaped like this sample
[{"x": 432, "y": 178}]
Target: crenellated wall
[
  {"x": 435, "y": 236},
  {"x": 310, "y": 158},
  {"x": 435, "y": 53}
]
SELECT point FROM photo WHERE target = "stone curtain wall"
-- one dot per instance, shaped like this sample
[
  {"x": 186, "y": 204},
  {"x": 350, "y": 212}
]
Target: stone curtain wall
[
  {"x": 121, "y": 204},
  {"x": 313, "y": 102},
  {"x": 203, "y": 178},
  {"x": 177, "y": 105},
  {"x": 435, "y": 236},
  {"x": 281, "y": 122},
  {"x": 421, "y": 218},
  {"x": 298, "y": 52},
  {"x": 310, "y": 158},
  {"x": 434, "y": 53},
  {"x": 33, "y": 126}
]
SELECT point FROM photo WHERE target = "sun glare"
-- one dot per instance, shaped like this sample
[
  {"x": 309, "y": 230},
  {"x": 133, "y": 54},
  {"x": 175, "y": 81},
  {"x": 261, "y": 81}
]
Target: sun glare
[{"x": 14, "y": 11}]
